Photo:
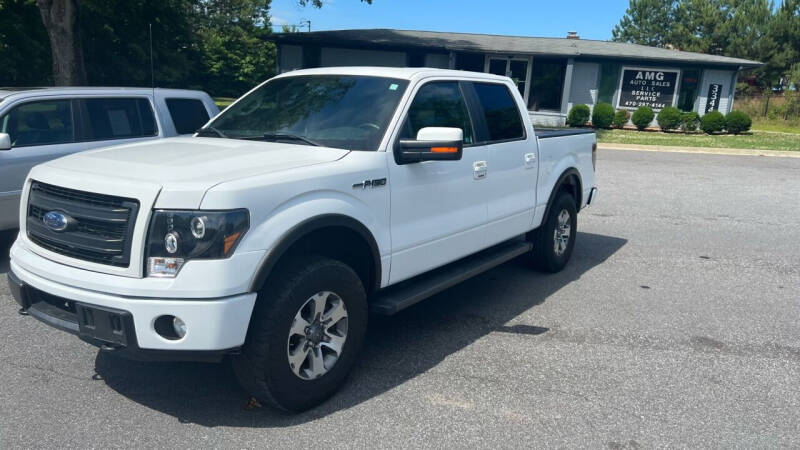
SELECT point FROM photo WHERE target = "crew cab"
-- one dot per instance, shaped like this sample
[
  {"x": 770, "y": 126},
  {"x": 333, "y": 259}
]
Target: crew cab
[
  {"x": 317, "y": 197},
  {"x": 40, "y": 124}
]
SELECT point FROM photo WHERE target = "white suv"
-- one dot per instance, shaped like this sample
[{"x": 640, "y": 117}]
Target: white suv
[{"x": 40, "y": 124}]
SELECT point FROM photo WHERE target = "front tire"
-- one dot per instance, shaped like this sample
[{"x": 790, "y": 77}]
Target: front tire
[
  {"x": 306, "y": 330},
  {"x": 554, "y": 240}
]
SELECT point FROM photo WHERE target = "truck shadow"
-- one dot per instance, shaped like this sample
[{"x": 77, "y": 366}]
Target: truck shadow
[{"x": 397, "y": 348}]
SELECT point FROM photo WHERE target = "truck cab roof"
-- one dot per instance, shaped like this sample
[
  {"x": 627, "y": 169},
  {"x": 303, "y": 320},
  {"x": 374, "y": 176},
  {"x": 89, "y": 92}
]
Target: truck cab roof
[{"x": 403, "y": 73}]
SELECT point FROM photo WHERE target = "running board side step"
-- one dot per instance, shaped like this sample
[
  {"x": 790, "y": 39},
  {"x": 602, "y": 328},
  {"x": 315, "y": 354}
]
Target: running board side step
[{"x": 410, "y": 292}]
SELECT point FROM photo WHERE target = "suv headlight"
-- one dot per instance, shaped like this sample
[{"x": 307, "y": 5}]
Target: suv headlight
[{"x": 175, "y": 237}]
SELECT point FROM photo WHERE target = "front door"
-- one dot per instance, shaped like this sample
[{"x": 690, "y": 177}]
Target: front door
[
  {"x": 40, "y": 131},
  {"x": 438, "y": 208}
]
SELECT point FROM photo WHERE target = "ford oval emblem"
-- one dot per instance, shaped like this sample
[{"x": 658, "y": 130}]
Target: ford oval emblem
[{"x": 55, "y": 220}]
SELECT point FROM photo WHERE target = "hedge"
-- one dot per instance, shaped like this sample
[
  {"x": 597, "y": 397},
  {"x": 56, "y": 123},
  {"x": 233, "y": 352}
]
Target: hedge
[
  {"x": 642, "y": 117},
  {"x": 602, "y": 115},
  {"x": 578, "y": 116},
  {"x": 713, "y": 122},
  {"x": 669, "y": 118},
  {"x": 690, "y": 121},
  {"x": 621, "y": 118},
  {"x": 737, "y": 122}
]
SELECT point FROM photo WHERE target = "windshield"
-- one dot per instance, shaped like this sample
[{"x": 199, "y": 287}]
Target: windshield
[{"x": 341, "y": 111}]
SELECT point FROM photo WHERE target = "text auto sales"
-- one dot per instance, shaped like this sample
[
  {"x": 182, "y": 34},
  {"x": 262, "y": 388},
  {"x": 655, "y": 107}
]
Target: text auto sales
[{"x": 655, "y": 89}]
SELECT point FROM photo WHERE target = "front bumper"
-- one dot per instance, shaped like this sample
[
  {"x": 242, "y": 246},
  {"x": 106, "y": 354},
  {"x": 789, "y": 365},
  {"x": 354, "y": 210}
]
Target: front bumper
[{"x": 127, "y": 325}]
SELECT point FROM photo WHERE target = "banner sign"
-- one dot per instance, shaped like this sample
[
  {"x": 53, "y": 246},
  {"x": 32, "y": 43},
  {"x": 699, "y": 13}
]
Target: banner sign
[
  {"x": 714, "y": 92},
  {"x": 643, "y": 87}
]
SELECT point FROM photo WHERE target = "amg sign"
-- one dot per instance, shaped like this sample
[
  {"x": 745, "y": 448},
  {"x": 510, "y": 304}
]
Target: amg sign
[{"x": 642, "y": 87}]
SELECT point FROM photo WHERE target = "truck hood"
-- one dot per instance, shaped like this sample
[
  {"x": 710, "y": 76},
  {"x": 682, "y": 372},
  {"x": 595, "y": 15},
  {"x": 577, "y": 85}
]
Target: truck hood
[{"x": 184, "y": 168}]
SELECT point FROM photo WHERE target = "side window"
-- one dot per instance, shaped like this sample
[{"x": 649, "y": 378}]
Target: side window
[
  {"x": 438, "y": 104},
  {"x": 501, "y": 112},
  {"x": 39, "y": 123},
  {"x": 187, "y": 114},
  {"x": 117, "y": 118}
]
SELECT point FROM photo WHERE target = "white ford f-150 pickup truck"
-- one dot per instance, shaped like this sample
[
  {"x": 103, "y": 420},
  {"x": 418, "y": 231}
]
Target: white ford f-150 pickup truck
[{"x": 317, "y": 197}]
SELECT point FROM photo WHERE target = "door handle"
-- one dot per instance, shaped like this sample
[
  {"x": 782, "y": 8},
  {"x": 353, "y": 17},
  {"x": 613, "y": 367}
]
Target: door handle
[
  {"x": 479, "y": 170},
  {"x": 530, "y": 160}
]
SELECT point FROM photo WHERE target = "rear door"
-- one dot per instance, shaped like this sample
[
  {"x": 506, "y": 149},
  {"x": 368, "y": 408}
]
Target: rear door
[
  {"x": 438, "y": 208},
  {"x": 512, "y": 161},
  {"x": 107, "y": 121}
]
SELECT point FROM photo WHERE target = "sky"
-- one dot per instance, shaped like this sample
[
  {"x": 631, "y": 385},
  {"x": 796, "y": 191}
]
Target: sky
[{"x": 592, "y": 19}]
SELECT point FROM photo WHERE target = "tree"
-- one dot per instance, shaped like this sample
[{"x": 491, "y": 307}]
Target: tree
[
  {"x": 646, "y": 22},
  {"x": 60, "y": 18},
  {"x": 24, "y": 45}
]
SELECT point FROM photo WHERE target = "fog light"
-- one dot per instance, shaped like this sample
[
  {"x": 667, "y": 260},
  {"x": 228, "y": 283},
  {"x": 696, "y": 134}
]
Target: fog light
[{"x": 179, "y": 326}]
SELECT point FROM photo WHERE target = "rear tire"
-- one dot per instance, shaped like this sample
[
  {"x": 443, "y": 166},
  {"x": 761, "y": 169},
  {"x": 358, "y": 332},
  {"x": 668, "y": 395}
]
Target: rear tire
[
  {"x": 303, "y": 315},
  {"x": 554, "y": 240}
]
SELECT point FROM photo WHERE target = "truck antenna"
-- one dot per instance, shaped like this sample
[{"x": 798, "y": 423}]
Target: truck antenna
[{"x": 152, "y": 72}]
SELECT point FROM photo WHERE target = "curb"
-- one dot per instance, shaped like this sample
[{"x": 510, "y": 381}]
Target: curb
[{"x": 704, "y": 150}]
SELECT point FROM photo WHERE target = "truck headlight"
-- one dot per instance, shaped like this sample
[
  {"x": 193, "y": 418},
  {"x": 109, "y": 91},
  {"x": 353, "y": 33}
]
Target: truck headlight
[{"x": 175, "y": 237}]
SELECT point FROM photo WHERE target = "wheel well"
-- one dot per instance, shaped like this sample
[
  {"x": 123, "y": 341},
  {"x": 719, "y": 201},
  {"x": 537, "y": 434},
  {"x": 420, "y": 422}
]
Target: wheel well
[
  {"x": 569, "y": 182},
  {"x": 572, "y": 185},
  {"x": 336, "y": 237}
]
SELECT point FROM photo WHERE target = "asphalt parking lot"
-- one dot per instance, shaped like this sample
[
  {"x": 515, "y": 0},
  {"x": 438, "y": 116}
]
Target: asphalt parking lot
[{"x": 676, "y": 324}]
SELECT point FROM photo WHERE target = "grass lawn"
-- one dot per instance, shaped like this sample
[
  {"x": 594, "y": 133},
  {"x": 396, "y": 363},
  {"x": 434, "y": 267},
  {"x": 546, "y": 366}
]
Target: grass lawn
[
  {"x": 756, "y": 139},
  {"x": 223, "y": 102}
]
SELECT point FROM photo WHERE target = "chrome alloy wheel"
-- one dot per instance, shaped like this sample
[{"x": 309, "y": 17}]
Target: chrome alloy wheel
[
  {"x": 562, "y": 233},
  {"x": 317, "y": 336}
]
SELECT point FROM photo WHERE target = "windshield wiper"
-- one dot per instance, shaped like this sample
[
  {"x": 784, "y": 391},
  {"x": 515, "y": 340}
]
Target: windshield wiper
[
  {"x": 213, "y": 130},
  {"x": 289, "y": 137}
]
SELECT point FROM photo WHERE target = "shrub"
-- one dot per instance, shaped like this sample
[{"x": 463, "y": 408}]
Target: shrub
[
  {"x": 642, "y": 117},
  {"x": 602, "y": 115},
  {"x": 621, "y": 118},
  {"x": 690, "y": 121},
  {"x": 669, "y": 118},
  {"x": 713, "y": 122},
  {"x": 737, "y": 122},
  {"x": 578, "y": 116}
]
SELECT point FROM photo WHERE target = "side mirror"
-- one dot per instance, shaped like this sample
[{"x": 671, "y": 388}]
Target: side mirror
[
  {"x": 5, "y": 141},
  {"x": 432, "y": 144}
]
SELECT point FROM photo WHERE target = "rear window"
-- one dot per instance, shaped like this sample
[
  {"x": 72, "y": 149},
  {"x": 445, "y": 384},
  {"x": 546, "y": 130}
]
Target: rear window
[
  {"x": 117, "y": 118},
  {"x": 187, "y": 114},
  {"x": 501, "y": 112}
]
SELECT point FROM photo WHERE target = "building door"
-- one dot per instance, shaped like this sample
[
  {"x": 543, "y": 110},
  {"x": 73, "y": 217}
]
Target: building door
[{"x": 514, "y": 68}]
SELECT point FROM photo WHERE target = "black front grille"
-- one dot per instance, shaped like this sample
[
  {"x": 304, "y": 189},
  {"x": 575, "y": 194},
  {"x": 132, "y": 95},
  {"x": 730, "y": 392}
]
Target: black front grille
[{"x": 100, "y": 228}]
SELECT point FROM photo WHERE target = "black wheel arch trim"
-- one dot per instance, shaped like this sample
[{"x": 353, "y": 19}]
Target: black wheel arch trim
[
  {"x": 562, "y": 179},
  {"x": 308, "y": 226}
]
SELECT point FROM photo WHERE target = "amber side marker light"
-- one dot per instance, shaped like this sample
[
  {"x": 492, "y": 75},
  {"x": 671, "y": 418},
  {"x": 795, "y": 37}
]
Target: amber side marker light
[
  {"x": 444, "y": 149},
  {"x": 229, "y": 242}
]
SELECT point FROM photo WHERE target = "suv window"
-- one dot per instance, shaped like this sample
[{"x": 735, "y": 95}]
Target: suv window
[
  {"x": 117, "y": 118},
  {"x": 500, "y": 110},
  {"x": 39, "y": 123},
  {"x": 187, "y": 114},
  {"x": 438, "y": 104}
]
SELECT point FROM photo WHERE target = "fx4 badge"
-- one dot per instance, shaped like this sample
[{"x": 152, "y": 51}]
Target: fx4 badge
[{"x": 378, "y": 182}]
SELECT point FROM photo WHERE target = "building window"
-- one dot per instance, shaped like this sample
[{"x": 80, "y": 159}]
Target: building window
[
  {"x": 547, "y": 84},
  {"x": 516, "y": 69},
  {"x": 689, "y": 87},
  {"x": 607, "y": 85},
  {"x": 470, "y": 61}
]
